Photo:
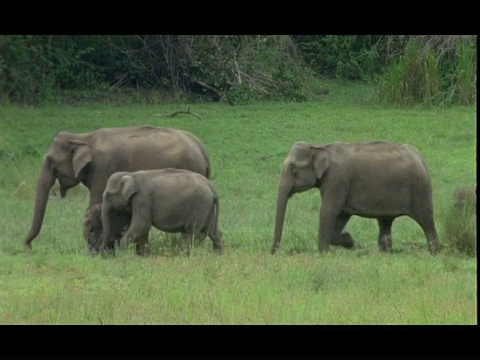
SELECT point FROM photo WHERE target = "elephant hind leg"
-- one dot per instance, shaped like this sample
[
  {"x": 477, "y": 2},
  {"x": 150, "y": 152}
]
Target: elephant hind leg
[
  {"x": 428, "y": 226},
  {"x": 217, "y": 242},
  {"x": 385, "y": 234}
]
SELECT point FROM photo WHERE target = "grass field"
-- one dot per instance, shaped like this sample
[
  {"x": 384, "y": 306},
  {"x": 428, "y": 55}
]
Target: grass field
[{"x": 58, "y": 283}]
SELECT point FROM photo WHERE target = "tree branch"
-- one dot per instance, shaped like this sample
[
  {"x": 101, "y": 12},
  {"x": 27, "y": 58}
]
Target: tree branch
[{"x": 175, "y": 113}]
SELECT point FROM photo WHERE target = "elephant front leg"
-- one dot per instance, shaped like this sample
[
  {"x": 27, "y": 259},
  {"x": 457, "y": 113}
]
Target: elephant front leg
[
  {"x": 139, "y": 236},
  {"x": 142, "y": 245},
  {"x": 385, "y": 234},
  {"x": 327, "y": 228},
  {"x": 137, "y": 232},
  {"x": 340, "y": 237},
  {"x": 119, "y": 223}
]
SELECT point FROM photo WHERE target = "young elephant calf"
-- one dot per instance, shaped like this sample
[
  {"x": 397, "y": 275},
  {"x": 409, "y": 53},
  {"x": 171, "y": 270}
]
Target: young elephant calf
[
  {"x": 92, "y": 226},
  {"x": 172, "y": 200}
]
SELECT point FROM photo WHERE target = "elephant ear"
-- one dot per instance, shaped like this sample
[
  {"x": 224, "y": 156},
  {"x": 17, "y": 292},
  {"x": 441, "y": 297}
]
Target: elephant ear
[
  {"x": 321, "y": 160},
  {"x": 129, "y": 187},
  {"x": 82, "y": 155}
]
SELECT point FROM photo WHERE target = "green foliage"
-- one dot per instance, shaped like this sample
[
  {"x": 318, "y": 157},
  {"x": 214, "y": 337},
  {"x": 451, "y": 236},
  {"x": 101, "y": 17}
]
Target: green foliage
[
  {"x": 58, "y": 283},
  {"x": 350, "y": 57},
  {"x": 237, "y": 69},
  {"x": 232, "y": 68},
  {"x": 466, "y": 73},
  {"x": 431, "y": 70},
  {"x": 33, "y": 68}
]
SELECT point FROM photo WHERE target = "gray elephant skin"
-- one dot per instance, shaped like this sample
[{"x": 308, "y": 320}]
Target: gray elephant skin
[
  {"x": 90, "y": 158},
  {"x": 375, "y": 179},
  {"x": 92, "y": 225},
  {"x": 172, "y": 200}
]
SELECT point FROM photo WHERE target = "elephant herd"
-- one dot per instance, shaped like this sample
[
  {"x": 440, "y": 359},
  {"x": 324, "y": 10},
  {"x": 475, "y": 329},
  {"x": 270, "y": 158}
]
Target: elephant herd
[{"x": 146, "y": 175}]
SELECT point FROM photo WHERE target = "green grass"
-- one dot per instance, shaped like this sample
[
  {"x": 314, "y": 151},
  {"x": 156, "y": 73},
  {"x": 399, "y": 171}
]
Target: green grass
[{"x": 58, "y": 283}]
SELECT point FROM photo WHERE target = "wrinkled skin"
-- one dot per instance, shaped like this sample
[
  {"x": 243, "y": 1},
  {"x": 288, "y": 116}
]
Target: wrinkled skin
[
  {"x": 463, "y": 197},
  {"x": 172, "y": 200},
  {"x": 374, "y": 179},
  {"x": 92, "y": 226},
  {"x": 90, "y": 158}
]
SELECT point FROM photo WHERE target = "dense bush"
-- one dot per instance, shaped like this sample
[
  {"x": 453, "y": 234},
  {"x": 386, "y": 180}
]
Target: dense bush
[
  {"x": 33, "y": 68},
  {"x": 235, "y": 68},
  {"x": 352, "y": 57}
]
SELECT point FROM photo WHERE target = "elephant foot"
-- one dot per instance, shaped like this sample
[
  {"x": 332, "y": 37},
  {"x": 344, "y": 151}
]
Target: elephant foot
[
  {"x": 274, "y": 249},
  {"x": 434, "y": 247},
  {"x": 344, "y": 239},
  {"x": 141, "y": 249},
  {"x": 218, "y": 249}
]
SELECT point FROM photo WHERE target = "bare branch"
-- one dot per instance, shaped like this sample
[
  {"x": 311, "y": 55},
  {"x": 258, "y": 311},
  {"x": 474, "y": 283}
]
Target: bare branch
[{"x": 175, "y": 113}]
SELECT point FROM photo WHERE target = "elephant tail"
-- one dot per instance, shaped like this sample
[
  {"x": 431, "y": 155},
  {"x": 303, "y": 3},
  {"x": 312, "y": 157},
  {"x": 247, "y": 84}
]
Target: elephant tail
[
  {"x": 207, "y": 162},
  {"x": 204, "y": 153},
  {"x": 214, "y": 231}
]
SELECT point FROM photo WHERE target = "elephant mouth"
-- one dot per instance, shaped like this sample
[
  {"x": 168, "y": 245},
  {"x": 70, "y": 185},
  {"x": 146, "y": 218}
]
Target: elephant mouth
[
  {"x": 63, "y": 188},
  {"x": 63, "y": 191},
  {"x": 298, "y": 188}
]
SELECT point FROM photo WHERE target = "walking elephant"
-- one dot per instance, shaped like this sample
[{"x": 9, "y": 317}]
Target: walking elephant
[
  {"x": 172, "y": 200},
  {"x": 376, "y": 179},
  {"x": 90, "y": 158}
]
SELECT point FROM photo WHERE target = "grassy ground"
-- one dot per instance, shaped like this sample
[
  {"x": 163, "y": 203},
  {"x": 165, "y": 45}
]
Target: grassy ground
[{"x": 57, "y": 283}]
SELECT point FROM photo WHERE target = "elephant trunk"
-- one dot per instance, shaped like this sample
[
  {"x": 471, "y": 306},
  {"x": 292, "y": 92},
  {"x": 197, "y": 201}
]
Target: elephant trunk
[
  {"x": 104, "y": 240},
  {"x": 282, "y": 199},
  {"x": 44, "y": 184}
]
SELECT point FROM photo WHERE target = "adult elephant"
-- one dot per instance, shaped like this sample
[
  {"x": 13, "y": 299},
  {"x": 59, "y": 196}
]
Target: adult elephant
[
  {"x": 90, "y": 158},
  {"x": 376, "y": 179}
]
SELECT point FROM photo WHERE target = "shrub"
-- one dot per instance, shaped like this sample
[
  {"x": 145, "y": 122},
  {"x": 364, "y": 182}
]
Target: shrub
[
  {"x": 349, "y": 57},
  {"x": 460, "y": 225}
]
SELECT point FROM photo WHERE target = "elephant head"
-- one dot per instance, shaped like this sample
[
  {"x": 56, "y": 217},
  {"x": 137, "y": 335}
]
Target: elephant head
[
  {"x": 303, "y": 170},
  {"x": 65, "y": 161},
  {"x": 121, "y": 186},
  {"x": 92, "y": 226}
]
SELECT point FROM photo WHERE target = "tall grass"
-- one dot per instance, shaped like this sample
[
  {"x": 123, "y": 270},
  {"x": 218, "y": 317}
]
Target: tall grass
[
  {"x": 431, "y": 70},
  {"x": 466, "y": 85},
  {"x": 58, "y": 283}
]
